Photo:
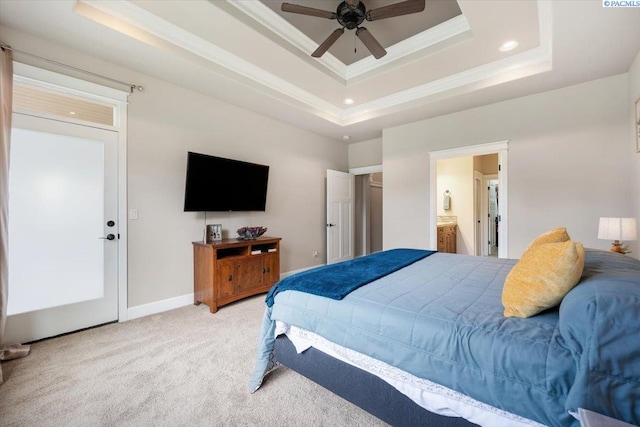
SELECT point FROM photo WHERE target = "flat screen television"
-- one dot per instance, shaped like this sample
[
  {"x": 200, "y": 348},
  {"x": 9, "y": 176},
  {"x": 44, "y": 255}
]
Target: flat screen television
[{"x": 223, "y": 185}]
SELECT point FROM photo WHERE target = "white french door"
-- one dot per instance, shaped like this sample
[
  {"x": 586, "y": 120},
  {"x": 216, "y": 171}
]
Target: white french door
[
  {"x": 340, "y": 216},
  {"x": 63, "y": 230}
]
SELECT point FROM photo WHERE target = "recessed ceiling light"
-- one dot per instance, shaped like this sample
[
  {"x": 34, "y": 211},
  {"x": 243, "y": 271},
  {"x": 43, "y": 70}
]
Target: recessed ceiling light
[
  {"x": 348, "y": 101},
  {"x": 73, "y": 113},
  {"x": 507, "y": 46},
  {"x": 346, "y": 137}
]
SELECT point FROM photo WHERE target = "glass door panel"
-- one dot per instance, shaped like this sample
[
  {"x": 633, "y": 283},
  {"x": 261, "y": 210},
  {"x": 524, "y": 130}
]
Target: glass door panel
[
  {"x": 56, "y": 213},
  {"x": 62, "y": 206}
]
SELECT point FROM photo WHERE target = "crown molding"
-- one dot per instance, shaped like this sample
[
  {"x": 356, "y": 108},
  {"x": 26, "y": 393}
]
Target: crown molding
[
  {"x": 126, "y": 11},
  {"x": 277, "y": 24},
  {"x": 415, "y": 44},
  {"x": 539, "y": 58},
  {"x": 535, "y": 57},
  {"x": 510, "y": 68}
]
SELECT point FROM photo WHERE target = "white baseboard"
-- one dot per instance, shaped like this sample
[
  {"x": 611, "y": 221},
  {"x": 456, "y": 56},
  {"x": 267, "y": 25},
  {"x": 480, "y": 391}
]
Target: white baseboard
[
  {"x": 181, "y": 301},
  {"x": 159, "y": 306}
]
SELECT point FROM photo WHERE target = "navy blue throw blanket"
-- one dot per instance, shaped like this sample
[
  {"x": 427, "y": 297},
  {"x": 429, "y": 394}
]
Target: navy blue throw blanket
[{"x": 335, "y": 281}]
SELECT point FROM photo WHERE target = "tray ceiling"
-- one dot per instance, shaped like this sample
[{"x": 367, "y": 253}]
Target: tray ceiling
[
  {"x": 247, "y": 53},
  {"x": 348, "y": 49}
]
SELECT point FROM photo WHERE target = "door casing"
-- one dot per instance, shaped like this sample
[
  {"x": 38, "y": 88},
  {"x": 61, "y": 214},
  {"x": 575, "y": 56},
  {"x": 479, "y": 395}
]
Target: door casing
[
  {"x": 51, "y": 81},
  {"x": 48, "y": 321},
  {"x": 501, "y": 148}
]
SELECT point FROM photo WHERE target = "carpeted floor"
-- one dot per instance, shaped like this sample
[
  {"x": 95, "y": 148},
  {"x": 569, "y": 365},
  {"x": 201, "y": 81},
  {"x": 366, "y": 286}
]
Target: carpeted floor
[{"x": 184, "y": 367}]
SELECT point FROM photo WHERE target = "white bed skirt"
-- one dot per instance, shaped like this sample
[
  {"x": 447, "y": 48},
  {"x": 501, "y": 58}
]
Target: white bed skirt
[{"x": 429, "y": 395}]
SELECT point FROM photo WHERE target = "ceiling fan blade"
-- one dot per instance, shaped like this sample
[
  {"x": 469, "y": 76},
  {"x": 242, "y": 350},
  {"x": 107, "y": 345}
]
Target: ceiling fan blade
[
  {"x": 371, "y": 43},
  {"x": 396, "y": 9},
  {"x": 328, "y": 43},
  {"x": 304, "y": 10}
]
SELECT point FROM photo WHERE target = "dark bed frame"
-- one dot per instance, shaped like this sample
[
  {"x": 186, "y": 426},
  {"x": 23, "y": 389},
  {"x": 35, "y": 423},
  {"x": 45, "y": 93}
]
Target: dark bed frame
[{"x": 371, "y": 393}]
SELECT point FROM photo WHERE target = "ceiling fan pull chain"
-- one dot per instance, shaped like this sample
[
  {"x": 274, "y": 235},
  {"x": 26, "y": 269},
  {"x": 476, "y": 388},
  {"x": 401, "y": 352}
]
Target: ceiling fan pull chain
[{"x": 355, "y": 43}]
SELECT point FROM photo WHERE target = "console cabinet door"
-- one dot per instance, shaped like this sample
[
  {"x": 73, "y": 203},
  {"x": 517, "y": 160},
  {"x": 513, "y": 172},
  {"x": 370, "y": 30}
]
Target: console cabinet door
[
  {"x": 225, "y": 278},
  {"x": 249, "y": 274},
  {"x": 271, "y": 270}
]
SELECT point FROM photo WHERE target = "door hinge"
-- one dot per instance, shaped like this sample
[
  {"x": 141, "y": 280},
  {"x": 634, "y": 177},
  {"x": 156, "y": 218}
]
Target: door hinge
[
  {"x": 499, "y": 167},
  {"x": 499, "y": 218},
  {"x": 118, "y": 236}
]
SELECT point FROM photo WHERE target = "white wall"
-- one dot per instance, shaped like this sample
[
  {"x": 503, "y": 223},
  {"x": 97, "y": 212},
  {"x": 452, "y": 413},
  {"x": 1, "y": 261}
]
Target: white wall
[
  {"x": 164, "y": 122},
  {"x": 570, "y": 161},
  {"x": 365, "y": 153},
  {"x": 456, "y": 175},
  {"x": 634, "y": 94}
]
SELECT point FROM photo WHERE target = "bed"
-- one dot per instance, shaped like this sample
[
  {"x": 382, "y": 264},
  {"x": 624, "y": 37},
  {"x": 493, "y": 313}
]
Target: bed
[{"x": 428, "y": 344}]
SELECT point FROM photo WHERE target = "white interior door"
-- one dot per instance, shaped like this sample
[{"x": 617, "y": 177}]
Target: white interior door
[
  {"x": 63, "y": 228},
  {"x": 340, "y": 216}
]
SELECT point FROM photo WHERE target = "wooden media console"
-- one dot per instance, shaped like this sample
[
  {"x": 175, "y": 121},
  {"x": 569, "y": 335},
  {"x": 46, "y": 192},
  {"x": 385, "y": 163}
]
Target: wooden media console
[{"x": 230, "y": 269}]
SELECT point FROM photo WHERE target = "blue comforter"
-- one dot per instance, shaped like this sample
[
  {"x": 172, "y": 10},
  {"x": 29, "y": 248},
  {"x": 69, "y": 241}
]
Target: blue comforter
[
  {"x": 338, "y": 280},
  {"x": 441, "y": 319},
  {"x": 600, "y": 326}
]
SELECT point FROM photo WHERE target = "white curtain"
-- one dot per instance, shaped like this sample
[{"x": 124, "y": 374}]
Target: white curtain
[{"x": 6, "y": 92}]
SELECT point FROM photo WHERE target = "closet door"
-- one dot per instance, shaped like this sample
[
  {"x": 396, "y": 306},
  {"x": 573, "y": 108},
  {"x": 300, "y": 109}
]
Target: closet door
[{"x": 340, "y": 216}]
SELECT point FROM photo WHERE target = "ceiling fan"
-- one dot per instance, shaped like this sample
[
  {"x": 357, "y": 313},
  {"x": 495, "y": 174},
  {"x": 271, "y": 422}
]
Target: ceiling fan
[{"x": 350, "y": 14}]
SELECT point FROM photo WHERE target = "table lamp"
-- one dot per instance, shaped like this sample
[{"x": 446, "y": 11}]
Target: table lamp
[{"x": 618, "y": 229}]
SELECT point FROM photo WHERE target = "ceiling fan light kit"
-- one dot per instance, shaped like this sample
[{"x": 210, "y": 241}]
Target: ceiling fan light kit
[{"x": 350, "y": 14}]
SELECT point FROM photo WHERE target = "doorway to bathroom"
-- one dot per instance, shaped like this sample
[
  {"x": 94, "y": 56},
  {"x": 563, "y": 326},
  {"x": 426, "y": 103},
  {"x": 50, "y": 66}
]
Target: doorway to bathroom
[{"x": 469, "y": 189}]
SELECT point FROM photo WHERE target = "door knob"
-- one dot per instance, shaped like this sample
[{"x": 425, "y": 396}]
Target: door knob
[{"x": 109, "y": 237}]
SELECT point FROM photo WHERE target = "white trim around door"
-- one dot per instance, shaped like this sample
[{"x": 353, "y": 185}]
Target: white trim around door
[
  {"x": 56, "y": 82},
  {"x": 501, "y": 148}
]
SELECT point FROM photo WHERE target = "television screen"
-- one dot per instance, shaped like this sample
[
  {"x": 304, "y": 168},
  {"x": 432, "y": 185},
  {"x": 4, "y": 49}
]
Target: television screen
[{"x": 218, "y": 184}]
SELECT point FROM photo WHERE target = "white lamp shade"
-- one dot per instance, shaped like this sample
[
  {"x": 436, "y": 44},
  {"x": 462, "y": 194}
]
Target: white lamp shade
[{"x": 618, "y": 229}]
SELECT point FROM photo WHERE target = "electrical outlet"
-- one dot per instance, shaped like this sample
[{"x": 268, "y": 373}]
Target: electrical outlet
[
  {"x": 133, "y": 214},
  {"x": 315, "y": 254}
]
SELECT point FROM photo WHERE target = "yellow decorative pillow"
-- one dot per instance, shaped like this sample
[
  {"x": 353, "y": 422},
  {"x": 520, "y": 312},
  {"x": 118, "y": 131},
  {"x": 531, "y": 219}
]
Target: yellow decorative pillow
[
  {"x": 556, "y": 235},
  {"x": 542, "y": 277}
]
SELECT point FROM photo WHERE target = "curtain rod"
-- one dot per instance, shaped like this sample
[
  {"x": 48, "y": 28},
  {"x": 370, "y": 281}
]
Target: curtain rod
[{"x": 131, "y": 86}]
